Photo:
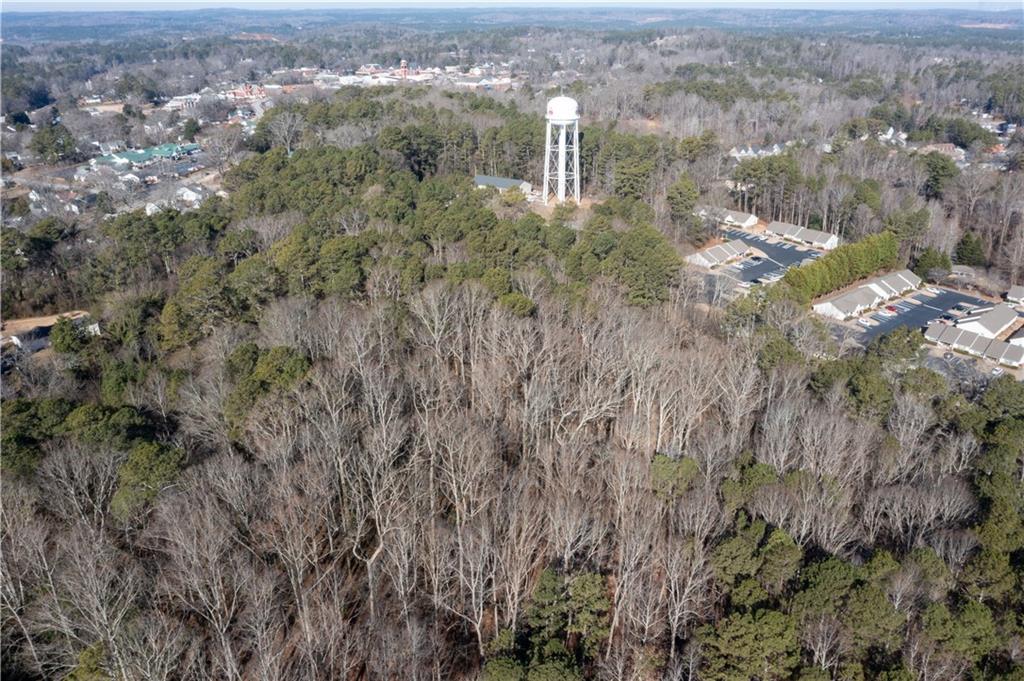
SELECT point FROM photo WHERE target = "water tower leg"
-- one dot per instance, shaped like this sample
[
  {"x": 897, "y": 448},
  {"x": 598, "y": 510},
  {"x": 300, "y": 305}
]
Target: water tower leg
[
  {"x": 547, "y": 162},
  {"x": 561, "y": 164},
  {"x": 576, "y": 161}
]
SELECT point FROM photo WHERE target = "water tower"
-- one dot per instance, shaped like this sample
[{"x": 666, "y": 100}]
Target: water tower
[{"x": 561, "y": 149}]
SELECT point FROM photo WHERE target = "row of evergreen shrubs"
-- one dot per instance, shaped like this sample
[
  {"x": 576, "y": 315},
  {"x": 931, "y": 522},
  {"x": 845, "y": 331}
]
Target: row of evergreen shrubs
[{"x": 843, "y": 266}]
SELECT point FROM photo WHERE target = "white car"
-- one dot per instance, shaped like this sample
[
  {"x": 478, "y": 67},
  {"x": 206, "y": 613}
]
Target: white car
[
  {"x": 865, "y": 322},
  {"x": 886, "y": 313},
  {"x": 744, "y": 284},
  {"x": 932, "y": 289},
  {"x": 998, "y": 371}
]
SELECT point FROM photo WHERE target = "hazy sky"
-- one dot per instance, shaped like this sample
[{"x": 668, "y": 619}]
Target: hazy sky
[{"x": 37, "y": 5}]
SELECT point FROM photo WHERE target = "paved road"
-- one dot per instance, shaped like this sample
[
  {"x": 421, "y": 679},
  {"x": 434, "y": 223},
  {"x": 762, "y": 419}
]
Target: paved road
[
  {"x": 779, "y": 257},
  {"x": 918, "y": 316}
]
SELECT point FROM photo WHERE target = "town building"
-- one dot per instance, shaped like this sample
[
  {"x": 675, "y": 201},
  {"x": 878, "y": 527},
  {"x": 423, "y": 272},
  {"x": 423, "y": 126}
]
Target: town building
[
  {"x": 138, "y": 158},
  {"x": 1015, "y": 295}
]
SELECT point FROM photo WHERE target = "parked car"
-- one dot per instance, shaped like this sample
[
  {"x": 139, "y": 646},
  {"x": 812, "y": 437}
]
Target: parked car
[
  {"x": 998, "y": 371},
  {"x": 744, "y": 284},
  {"x": 947, "y": 356},
  {"x": 865, "y": 322},
  {"x": 892, "y": 308},
  {"x": 948, "y": 318},
  {"x": 886, "y": 313},
  {"x": 932, "y": 289}
]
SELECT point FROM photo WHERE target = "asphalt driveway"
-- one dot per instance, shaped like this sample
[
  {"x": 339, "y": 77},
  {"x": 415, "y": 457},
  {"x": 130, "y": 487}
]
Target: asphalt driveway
[
  {"x": 918, "y": 316},
  {"x": 779, "y": 257}
]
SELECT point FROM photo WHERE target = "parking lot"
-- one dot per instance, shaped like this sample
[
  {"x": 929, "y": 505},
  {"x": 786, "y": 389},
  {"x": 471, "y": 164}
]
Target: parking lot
[
  {"x": 967, "y": 372},
  {"x": 916, "y": 316},
  {"x": 778, "y": 257}
]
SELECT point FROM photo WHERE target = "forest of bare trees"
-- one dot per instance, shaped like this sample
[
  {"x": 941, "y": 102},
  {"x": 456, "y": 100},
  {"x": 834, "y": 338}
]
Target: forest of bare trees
[{"x": 388, "y": 516}]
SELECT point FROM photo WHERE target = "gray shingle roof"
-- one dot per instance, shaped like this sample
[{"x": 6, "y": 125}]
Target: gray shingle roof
[
  {"x": 934, "y": 331},
  {"x": 994, "y": 321},
  {"x": 499, "y": 182},
  {"x": 1014, "y": 355},
  {"x": 813, "y": 236},
  {"x": 876, "y": 291},
  {"x": 716, "y": 255},
  {"x": 976, "y": 344}
]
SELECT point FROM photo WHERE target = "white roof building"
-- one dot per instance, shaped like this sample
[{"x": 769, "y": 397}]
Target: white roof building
[
  {"x": 991, "y": 322},
  {"x": 732, "y": 218},
  {"x": 996, "y": 351},
  {"x": 895, "y": 283},
  {"x": 934, "y": 332},
  {"x": 188, "y": 195},
  {"x": 502, "y": 184},
  {"x": 720, "y": 254},
  {"x": 812, "y": 237},
  {"x": 1016, "y": 294},
  {"x": 868, "y": 295},
  {"x": 963, "y": 271}
]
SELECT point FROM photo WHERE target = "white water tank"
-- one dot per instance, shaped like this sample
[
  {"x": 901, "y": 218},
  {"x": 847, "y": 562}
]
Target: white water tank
[
  {"x": 561, "y": 149},
  {"x": 563, "y": 110}
]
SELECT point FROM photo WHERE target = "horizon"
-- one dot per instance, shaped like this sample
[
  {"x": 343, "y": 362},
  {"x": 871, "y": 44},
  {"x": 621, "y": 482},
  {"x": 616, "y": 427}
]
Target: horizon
[{"x": 43, "y": 6}]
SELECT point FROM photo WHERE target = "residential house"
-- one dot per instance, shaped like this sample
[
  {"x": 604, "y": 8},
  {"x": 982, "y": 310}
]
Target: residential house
[
  {"x": 811, "y": 237},
  {"x": 868, "y": 295},
  {"x": 1000, "y": 352},
  {"x": 33, "y": 335},
  {"x": 963, "y": 272},
  {"x": 946, "y": 149},
  {"x": 720, "y": 254},
  {"x": 724, "y": 216},
  {"x": 189, "y": 196},
  {"x": 502, "y": 184},
  {"x": 747, "y": 151},
  {"x": 1015, "y": 295},
  {"x": 850, "y": 304}
]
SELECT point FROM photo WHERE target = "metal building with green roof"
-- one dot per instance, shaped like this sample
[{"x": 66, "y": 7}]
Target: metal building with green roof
[{"x": 137, "y": 157}]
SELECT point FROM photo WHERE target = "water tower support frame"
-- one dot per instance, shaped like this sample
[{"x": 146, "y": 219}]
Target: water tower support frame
[{"x": 562, "y": 160}]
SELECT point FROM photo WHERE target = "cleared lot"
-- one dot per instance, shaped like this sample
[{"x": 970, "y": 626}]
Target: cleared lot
[
  {"x": 778, "y": 257},
  {"x": 929, "y": 307}
]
